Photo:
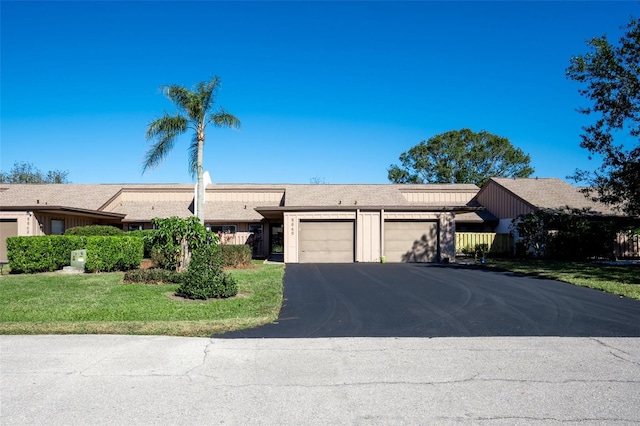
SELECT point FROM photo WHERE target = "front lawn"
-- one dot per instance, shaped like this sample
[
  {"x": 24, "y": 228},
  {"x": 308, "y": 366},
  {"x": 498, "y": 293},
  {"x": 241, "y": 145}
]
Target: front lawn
[
  {"x": 55, "y": 303},
  {"x": 617, "y": 279}
]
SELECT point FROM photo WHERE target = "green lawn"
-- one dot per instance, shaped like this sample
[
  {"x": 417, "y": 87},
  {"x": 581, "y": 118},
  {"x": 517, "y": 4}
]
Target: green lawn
[
  {"x": 622, "y": 280},
  {"x": 55, "y": 303}
]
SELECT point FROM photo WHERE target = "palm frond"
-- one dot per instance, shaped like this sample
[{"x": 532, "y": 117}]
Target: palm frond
[
  {"x": 165, "y": 130},
  {"x": 208, "y": 91},
  {"x": 224, "y": 119},
  {"x": 179, "y": 95}
]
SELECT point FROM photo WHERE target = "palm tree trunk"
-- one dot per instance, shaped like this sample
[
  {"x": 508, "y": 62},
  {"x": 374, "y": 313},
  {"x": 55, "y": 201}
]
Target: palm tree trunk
[{"x": 201, "y": 192}]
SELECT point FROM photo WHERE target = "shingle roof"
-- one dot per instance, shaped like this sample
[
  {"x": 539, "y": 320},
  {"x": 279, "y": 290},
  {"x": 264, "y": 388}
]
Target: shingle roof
[
  {"x": 551, "y": 193},
  {"x": 81, "y": 196},
  {"x": 332, "y": 195},
  {"x": 95, "y": 197},
  {"x": 231, "y": 211},
  {"x": 144, "y": 211}
]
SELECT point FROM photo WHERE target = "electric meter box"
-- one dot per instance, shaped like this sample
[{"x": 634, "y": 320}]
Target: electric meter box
[{"x": 78, "y": 259}]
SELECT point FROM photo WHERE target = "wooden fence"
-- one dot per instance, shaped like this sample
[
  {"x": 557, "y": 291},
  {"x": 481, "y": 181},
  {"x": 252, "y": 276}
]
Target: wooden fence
[
  {"x": 497, "y": 243},
  {"x": 627, "y": 246},
  {"x": 238, "y": 238}
]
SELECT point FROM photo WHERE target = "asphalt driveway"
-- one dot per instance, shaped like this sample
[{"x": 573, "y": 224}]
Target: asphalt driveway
[{"x": 428, "y": 300}]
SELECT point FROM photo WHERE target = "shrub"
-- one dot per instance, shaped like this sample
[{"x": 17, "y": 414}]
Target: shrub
[
  {"x": 567, "y": 234},
  {"x": 174, "y": 240},
  {"x": 52, "y": 252},
  {"x": 151, "y": 276},
  {"x": 105, "y": 254},
  {"x": 41, "y": 253},
  {"x": 205, "y": 278},
  {"x": 235, "y": 255},
  {"x": 147, "y": 236},
  {"x": 94, "y": 231}
]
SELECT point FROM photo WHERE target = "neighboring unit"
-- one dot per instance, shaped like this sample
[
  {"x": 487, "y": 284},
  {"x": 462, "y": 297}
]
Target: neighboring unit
[{"x": 302, "y": 223}]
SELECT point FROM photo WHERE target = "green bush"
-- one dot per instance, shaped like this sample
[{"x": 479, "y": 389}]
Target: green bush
[
  {"x": 566, "y": 234},
  {"x": 151, "y": 276},
  {"x": 147, "y": 236},
  {"x": 95, "y": 231},
  {"x": 52, "y": 252},
  {"x": 235, "y": 255},
  {"x": 204, "y": 277},
  {"x": 174, "y": 240},
  {"x": 44, "y": 253},
  {"x": 106, "y": 254}
]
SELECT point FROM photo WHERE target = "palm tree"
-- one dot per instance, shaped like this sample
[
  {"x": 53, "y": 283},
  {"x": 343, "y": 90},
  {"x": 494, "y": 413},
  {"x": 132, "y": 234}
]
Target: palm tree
[{"x": 196, "y": 110}]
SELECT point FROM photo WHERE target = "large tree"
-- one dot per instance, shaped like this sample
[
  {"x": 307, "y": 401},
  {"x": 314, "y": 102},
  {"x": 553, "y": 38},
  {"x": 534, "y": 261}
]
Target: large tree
[
  {"x": 197, "y": 109},
  {"x": 610, "y": 78},
  {"x": 23, "y": 172},
  {"x": 460, "y": 156}
]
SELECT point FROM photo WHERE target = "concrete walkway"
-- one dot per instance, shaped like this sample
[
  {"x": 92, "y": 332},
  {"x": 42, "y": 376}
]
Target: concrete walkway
[{"x": 117, "y": 380}]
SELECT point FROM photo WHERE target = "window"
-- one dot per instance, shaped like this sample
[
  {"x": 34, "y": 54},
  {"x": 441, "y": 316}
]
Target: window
[
  {"x": 57, "y": 227},
  {"x": 135, "y": 227},
  {"x": 222, "y": 229}
]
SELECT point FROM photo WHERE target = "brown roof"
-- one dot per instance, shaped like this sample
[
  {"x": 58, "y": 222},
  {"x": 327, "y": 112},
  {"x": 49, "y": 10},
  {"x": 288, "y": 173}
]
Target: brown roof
[
  {"x": 550, "y": 193},
  {"x": 95, "y": 197},
  {"x": 144, "y": 211},
  {"x": 80, "y": 196},
  {"x": 334, "y": 195}
]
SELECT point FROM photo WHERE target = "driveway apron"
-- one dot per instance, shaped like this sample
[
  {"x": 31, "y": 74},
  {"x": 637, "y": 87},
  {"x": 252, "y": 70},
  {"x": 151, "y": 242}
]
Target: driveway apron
[{"x": 428, "y": 300}]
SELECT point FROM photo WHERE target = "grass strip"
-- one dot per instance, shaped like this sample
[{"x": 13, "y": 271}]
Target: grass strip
[
  {"x": 623, "y": 280},
  {"x": 55, "y": 303}
]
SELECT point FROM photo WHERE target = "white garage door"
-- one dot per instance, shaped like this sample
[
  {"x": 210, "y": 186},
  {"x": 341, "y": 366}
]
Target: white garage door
[
  {"x": 411, "y": 241},
  {"x": 325, "y": 242},
  {"x": 8, "y": 228}
]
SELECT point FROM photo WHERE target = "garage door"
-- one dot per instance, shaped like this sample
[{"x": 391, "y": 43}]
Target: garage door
[
  {"x": 411, "y": 241},
  {"x": 325, "y": 242},
  {"x": 8, "y": 228}
]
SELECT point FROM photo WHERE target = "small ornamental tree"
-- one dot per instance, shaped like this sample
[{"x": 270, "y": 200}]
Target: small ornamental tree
[{"x": 174, "y": 240}]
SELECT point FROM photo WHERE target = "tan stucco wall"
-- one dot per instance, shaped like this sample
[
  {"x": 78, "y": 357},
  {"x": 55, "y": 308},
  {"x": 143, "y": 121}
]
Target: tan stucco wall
[{"x": 27, "y": 223}]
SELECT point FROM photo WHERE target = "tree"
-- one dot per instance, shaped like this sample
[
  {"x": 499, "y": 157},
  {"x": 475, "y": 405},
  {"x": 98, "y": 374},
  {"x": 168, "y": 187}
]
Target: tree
[
  {"x": 196, "y": 110},
  {"x": 610, "y": 75},
  {"x": 23, "y": 172},
  {"x": 461, "y": 156},
  {"x": 175, "y": 239}
]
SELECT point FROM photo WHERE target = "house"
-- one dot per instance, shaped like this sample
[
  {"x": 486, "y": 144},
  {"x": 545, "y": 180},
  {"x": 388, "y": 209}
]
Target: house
[
  {"x": 508, "y": 198},
  {"x": 302, "y": 223}
]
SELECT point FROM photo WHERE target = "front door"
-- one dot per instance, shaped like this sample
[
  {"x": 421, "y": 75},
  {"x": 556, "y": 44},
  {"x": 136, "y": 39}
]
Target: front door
[{"x": 277, "y": 238}]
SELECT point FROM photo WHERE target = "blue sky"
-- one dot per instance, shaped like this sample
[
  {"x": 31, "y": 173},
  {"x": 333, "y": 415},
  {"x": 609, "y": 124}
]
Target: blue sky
[{"x": 328, "y": 90}]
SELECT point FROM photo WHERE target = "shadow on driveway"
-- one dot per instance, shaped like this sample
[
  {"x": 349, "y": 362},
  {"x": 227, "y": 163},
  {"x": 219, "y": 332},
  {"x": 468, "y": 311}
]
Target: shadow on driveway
[{"x": 428, "y": 300}]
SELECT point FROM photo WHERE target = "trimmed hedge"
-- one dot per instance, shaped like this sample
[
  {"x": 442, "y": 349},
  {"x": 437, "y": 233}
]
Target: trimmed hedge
[
  {"x": 95, "y": 231},
  {"x": 235, "y": 255},
  {"x": 147, "y": 238},
  {"x": 106, "y": 254},
  {"x": 52, "y": 252},
  {"x": 41, "y": 254}
]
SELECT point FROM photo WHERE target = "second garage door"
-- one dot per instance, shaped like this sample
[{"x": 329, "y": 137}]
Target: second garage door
[
  {"x": 415, "y": 241},
  {"x": 325, "y": 242}
]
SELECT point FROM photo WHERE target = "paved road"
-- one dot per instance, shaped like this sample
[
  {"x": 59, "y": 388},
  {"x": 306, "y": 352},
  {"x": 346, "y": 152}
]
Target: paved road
[
  {"x": 413, "y": 300},
  {"x": 139, "y": 380}
]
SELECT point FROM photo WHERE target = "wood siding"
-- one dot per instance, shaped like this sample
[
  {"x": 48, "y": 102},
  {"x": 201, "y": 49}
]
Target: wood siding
[
  {"x": 502, "y": 203},
  {"x": 446, "y": 198}
]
